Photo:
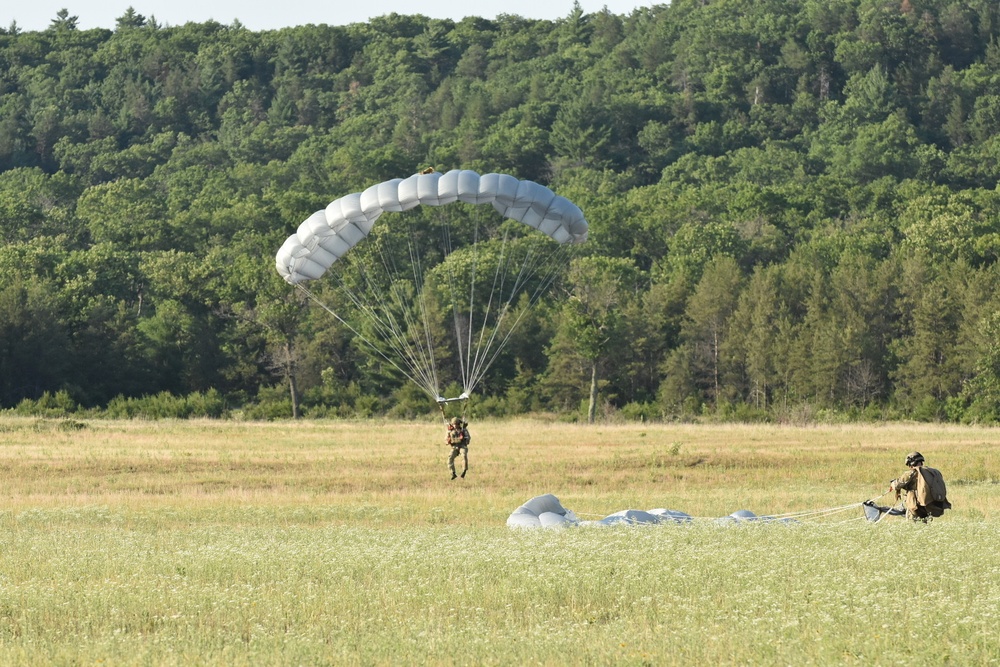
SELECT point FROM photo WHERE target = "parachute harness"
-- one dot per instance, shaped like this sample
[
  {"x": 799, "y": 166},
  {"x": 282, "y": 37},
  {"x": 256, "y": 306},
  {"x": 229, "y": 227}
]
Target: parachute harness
[{"x": 464, "y": 400}]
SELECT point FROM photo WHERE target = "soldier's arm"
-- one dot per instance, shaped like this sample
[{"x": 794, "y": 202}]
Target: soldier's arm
[{"x": 905, "y": 482}]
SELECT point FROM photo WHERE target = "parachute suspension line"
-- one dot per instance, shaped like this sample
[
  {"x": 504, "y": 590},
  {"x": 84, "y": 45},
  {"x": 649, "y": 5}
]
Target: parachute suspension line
[
  {"x": 475, "y": 357},
  {"x": 357, "y": 333},
  {"x": 417, "y": 346},
  {"x": 488, "y": 361},
  {"x": 815, "y": 513},
  {"x": 794, "y": 516},
  {"x": 528, "y": 268},
  {"x": 379, "y": 311},
  {"x": 427, "y": 350},
  {"x": 464, "y": 334},
  {"x": 498, "y": 277},
  {"x": 476, "y": 366},
  {"x": 420, "y": 354},
  {"x": 467, "y": 380},
  {"x": 464, "y": 339},
  {"x": 471, "y": 378}
]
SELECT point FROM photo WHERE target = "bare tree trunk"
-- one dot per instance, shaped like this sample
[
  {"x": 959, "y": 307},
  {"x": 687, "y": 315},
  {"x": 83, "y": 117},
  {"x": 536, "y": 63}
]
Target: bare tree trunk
[
  {"x": 592, "y": 408},
  {"x": 715, "y": 364},
  {"x": 290, "y": 372},
  {"x": 295, "y": 396}
]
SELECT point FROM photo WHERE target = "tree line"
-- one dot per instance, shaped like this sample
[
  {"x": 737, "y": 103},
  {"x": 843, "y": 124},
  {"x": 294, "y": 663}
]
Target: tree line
[{"x": 793, "y": 207}]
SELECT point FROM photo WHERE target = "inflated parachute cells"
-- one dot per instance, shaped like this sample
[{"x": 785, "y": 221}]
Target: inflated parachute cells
[
  {"x": 326, "y": 235},
  {"x": 542, "y": 512}
]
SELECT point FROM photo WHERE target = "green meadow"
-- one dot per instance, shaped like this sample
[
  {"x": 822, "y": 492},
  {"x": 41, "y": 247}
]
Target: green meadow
[{"x": 346, "y": 543}]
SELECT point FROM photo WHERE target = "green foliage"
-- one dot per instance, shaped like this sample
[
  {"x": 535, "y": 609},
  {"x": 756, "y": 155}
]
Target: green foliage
[
  {"x": 641, "y": 412},
  {"x": 792, "y": 207},
  {"x": 271, "y": 403},
  {"x": 32, "y": 357},
  {"x": 979, "y": 400},
  {"x": 167, "y": 406},
  {"x": 60, "y": 404}
]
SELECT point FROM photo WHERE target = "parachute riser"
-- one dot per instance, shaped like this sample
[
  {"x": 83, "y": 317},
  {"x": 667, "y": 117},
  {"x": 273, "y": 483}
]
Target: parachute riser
[{"x": 442, "y": 402}]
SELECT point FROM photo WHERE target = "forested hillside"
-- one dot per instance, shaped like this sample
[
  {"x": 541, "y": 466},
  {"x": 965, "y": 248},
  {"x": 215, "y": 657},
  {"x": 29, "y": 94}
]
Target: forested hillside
[{"x": 793, "y": 206}]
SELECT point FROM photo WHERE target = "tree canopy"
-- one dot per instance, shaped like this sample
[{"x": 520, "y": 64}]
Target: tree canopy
[{"x": 793, "y": 206}]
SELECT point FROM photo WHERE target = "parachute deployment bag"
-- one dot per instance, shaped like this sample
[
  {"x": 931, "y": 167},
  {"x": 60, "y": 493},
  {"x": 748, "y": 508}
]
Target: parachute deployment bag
[{"x": 931, "y": 492}]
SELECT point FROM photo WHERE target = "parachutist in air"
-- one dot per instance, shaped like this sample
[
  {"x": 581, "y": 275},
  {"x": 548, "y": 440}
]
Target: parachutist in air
[
  {"x": 369, "y": 271},
  {"x": 926, "y": 495},
  {"x": 457, "y": 437}
]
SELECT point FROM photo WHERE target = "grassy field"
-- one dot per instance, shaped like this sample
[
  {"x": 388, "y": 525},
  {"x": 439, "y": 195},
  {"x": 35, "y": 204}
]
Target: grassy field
[{"x": 347, "y": 543}]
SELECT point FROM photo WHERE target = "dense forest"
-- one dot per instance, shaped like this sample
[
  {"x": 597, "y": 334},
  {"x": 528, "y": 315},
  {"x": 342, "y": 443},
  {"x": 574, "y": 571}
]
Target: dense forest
[{"x": 793, "y": 207}]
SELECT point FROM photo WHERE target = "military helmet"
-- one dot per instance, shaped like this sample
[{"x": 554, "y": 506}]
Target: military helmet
[
  {"x": 455, "y": 421},
  {"x": 914, "y": 458}
]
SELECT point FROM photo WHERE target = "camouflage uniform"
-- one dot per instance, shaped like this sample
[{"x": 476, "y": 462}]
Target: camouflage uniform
[
  {"x": 461, "y": 448},
  {"x": 908, "y": 482}
]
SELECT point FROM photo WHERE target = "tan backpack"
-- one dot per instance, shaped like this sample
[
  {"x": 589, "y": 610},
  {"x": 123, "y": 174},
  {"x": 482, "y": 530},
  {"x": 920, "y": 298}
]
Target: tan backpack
[{"x": 931, "y": 491}]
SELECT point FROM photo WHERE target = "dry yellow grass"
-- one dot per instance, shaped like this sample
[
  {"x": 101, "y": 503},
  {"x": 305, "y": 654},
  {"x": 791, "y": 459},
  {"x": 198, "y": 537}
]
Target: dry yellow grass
[
  {"x": 397, "y": 470},
  {"x": 346, "y": 543}
]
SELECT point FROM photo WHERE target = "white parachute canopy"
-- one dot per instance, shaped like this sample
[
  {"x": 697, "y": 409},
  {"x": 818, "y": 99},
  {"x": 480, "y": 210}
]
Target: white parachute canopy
[
  {"x": 488, "y": 289},
  {"x": 325, "y": 236}
]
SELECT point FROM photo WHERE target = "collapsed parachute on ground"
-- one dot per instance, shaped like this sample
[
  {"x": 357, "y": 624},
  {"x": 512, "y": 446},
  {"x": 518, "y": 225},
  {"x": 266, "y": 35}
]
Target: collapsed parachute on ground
[
  {"x": 547, "y": 512},
  {"x": 390, "y": 288},
  {"x": 640, "y": 516},
  {"x": 541, "y": 512}
]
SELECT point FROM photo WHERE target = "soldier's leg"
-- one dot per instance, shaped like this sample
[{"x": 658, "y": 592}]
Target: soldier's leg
[
  {"x": 465, "y": 460},
  {"x": 451, "y": 461}
]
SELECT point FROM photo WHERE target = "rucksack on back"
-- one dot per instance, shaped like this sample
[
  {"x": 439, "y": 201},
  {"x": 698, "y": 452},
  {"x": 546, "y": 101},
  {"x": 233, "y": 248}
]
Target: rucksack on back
[{"x": 931, "y": 491}]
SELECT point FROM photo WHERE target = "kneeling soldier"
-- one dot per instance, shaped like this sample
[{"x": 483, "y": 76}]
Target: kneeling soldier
[{"x": 926, "y": 495}]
